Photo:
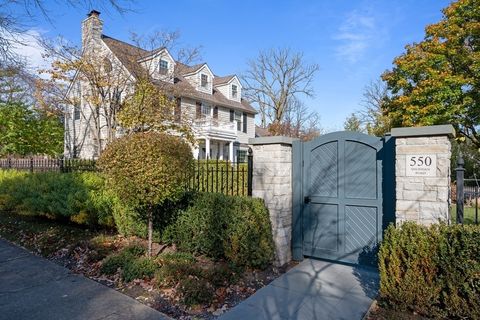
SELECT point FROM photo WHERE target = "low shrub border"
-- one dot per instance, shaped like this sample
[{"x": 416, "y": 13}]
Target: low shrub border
[
  {"x": 434, "y": 271},
  {"x": 231, "y": 227},
  {"x": 79, "y": 197}
]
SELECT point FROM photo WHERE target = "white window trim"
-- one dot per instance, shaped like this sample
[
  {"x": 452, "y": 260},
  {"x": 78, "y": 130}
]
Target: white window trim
[
  {"x": 236, "y": 91},
  {"x": 160, "y": 67},
  {"x": 208, "y": 114},
  {"x": 201, "y": 82}
]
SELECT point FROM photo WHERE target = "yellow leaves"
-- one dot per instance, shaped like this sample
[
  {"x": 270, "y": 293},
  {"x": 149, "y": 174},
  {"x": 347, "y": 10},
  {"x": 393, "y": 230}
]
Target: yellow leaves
[{"x": 156, "y": 164}]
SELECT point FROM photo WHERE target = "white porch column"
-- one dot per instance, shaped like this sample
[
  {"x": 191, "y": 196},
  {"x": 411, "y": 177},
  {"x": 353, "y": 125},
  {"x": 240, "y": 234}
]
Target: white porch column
[
  {"x": 207, "y": 148},
  {"x": 195, "y": 151},
  {"x": 230, "y": 151},
  {"x": 220, "y": 151}
]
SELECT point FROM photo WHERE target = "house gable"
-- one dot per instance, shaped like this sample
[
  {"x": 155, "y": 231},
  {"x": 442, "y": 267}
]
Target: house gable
[
  {"x": 231, "y": 88},
  {"x": 201, "y": 79},
  {"x": 160, "y": 65}
]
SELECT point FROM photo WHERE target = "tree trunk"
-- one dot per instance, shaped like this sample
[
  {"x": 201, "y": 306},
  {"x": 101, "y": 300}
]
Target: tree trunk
[{"x": 150, "y": 231}]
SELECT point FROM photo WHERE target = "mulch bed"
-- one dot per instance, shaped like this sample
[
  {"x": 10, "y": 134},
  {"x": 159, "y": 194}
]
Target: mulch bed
[{"x": 71, "y": 246}]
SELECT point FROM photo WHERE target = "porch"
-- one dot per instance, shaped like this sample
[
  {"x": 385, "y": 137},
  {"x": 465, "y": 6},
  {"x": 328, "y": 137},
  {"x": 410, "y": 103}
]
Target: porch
[{"x": 209, "y": 148}]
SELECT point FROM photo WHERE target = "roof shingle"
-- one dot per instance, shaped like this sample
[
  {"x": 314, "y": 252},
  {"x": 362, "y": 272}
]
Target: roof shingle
[{"x": 129, "y": 56}]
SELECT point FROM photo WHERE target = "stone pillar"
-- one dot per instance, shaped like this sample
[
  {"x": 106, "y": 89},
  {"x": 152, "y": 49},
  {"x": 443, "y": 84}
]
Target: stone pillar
[
  {"x": 272, "y": 182},
  {"x": 422, "y": 173}
]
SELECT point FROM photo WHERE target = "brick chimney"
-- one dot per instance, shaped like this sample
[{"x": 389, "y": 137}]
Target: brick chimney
[{"x": 92, "y": 28}]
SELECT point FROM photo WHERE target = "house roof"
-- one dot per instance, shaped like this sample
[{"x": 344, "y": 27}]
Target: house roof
[
  {"x": 129, "y": 55},
  {"x": 261, "y": 132},
  {"x": 222, "y": 80},
  {"x": 184, "y": 69}
]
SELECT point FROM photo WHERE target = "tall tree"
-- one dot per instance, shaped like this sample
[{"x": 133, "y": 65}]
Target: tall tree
[
  {"x": 298, "y": 122},
  {"x": 15, "y": 15},
  {"x": 372, "y": 115},
  {"x": 436, "y": 81},
  {"x": 274, "y": 79},
  {"x": 352, "y": 123},
  {"x": 29, "y": 131},
  {"x": 148, "y": 108},
  {"x": 16, "y": 83}
]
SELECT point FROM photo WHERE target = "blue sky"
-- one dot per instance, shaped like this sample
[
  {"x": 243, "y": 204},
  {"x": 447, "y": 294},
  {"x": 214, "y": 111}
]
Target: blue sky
[{"x": 353, "y": 42}]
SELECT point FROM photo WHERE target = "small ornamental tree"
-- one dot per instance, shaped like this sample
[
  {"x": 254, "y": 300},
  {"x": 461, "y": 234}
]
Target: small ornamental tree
[{"x": 145, "y": 169}]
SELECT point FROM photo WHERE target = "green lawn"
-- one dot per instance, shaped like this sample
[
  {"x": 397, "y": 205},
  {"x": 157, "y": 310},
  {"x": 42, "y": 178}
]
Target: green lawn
[{"x": 468, "y": 214}]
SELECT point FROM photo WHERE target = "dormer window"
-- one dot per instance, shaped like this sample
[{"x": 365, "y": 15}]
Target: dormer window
[
  {"x": 234, "y": 91},
  {"x": 204, "y": 81},
  {"x": 163, "y": 67}
]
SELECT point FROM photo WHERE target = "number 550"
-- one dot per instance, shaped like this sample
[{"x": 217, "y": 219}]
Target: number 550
[{"x": 420, "y": 161}]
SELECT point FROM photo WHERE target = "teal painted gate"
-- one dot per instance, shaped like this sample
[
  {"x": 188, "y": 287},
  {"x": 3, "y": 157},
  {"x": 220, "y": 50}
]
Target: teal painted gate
[{"x": 338, "y": 197}]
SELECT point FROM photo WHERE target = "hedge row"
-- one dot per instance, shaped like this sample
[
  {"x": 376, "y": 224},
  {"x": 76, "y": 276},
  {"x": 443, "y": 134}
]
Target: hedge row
[
  {"x": 235, "y": 228},
  {"x": 434, "y": 271},
  {"x": 81, "y": 198}
]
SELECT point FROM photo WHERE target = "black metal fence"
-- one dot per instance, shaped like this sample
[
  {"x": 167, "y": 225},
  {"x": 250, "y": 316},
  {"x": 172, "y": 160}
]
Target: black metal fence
[
  {"x": 467, "y": 195},
  {"x": 35, "y": 164},
  {"x": 219, "y": 176},
  {"x": 209, "y": 175}
]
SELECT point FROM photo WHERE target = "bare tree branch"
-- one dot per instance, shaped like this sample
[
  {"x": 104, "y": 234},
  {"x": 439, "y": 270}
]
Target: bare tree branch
[
  {"x": 276, "y": 78},
  {"x": 16, "y": 14}
]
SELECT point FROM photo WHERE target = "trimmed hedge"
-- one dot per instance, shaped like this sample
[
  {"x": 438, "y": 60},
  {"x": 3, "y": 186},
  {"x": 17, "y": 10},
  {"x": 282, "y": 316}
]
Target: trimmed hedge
[
  {"x": 434, "y": 271},
  {"x": 78, "y": 197},
  {"x": 219, "y": 226}
]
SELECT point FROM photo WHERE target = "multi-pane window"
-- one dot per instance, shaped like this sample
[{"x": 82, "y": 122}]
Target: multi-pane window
[
  {"x": 163, "y": 66},
  {"x": 206, "y": 110},
  {"x": 238, "y": 119},
  {"x": 234, "y": 91},
  {"x": 241, "y": 156},
  {"x": 204, "y": 80}
]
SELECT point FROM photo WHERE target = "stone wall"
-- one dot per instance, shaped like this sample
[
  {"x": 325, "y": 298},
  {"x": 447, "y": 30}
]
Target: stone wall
[
  {"x": 272, "y": 182},
  {"x": 424, "y": 199}
]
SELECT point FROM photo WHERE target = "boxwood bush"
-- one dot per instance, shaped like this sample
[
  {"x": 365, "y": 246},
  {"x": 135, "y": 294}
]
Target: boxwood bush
[
  {"x": 78, "y": 197},
  {"x": 434, "y": 271},
  {"x": 219, "y": 226}
]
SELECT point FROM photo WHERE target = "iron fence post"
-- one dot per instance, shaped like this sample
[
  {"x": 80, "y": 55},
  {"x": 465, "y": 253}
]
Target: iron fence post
[
  {"x": 477, "y": 199},
  {"x": 60, "y": 164},
  {"x": 250, "y": 172},
  {"x": 31, "y": 164},
  {"x": 460, "y": 196}
]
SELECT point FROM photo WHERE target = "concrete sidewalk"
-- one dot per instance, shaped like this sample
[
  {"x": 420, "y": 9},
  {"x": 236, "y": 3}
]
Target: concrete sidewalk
[
  {"x": 312, "y": 290},
  {"x": 34, "y": 288}
]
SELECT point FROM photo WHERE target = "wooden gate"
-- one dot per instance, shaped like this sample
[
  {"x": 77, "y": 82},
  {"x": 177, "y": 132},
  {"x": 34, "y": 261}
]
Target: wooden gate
[{"x": 338, "y": 197}]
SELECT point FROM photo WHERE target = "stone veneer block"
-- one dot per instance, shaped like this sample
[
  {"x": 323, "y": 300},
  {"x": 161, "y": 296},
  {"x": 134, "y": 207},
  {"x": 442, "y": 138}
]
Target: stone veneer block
[
  {"x": 272, "y": 181},
  {"x": 423, "y": 199}
]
